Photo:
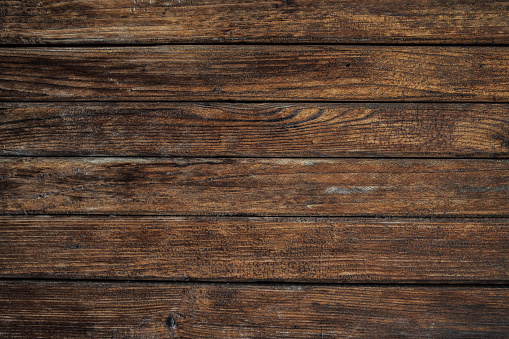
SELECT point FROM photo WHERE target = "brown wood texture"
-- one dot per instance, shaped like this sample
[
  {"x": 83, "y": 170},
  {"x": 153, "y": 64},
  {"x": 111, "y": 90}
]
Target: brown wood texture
[
  {"x": 228, "y": 186},
  {"x": 270, "y": 72},
  {"x": 166, "y": 21},
  {"x": 261, "y": 169},
  {"x": 256, "y": 249},
  {"x": 256, "y": 130},
  {"x": 134, "y": 310}
]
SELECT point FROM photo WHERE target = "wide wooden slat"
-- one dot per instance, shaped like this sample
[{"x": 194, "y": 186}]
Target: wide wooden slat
[
  {"x": 255, "y": 186},
  {"x": 106, "y": 310},
  {"x": 227, "y": 129},
  {"x": 346, "y": 21},
  {"x": 255, "y": 249},
  {"x": 189, "y": 73}
]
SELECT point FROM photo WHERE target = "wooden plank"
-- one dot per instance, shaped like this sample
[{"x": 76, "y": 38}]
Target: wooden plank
[
  {"x": 256, "y": 130},
  {"x": 255, "y": 249},
  {"x": 119, "y": 310},
  {"x": 346, "y": 21},
  {"x": 333, "y": 187},
  {"x": 277, "y": 72}
]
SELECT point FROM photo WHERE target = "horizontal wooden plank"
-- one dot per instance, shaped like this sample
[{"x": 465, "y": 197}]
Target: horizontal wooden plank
[
  {"x": 278, "y": 72},
  {"x": 346, "y": 21},
  {"x": 108, "y": 310},
  {"x": 259, "y": 130},
  {"x": 255, "y": 249},
  {"x": 182, "y": 186}
]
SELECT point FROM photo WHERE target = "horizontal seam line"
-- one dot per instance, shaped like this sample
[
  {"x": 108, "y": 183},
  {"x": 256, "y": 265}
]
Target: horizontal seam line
[
  {"x": 240, "y": 215},
  {"x": 283, "y": 101},
  {"x": 241, "y": 101},
  {"x": 225, "y": 217},
  {"x": 269, "y": 283},
  {"x": 197, "y": 157},
  {"x": 249, "y": 43}
]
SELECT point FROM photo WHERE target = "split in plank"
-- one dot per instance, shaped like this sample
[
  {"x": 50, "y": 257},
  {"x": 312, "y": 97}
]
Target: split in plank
[
  {"x": 273, "y": 21},
  {"x": 254, "y": 130},
  {"x": 267, "y": 187},
  {"x": 258, "y": 73},
  {"x": 255, "y": 249},
  {"x": 120, "y": 310}
]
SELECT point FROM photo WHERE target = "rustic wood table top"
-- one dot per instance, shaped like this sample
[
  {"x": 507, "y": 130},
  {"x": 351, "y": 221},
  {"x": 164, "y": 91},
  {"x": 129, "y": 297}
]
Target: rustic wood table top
[{"x": 254, "y": 169}]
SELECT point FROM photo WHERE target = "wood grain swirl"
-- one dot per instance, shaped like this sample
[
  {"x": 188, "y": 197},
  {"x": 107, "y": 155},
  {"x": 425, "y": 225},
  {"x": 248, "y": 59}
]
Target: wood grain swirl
[{"x": 254, "y": 130}]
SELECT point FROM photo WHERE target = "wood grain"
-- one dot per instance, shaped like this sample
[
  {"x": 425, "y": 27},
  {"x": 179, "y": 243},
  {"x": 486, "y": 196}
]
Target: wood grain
[
  {"x": 334, "y": 187},
  {"x": 255, "y": 249},
  {"x": 167, "y": 21},
  {"x": 120, "y": 310},
  {"x": 258, "y": 73},
  {"x": 254, "y": 130}
]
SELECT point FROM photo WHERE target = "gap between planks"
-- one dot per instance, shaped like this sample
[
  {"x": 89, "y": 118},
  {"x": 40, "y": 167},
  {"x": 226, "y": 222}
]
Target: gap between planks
[
  {"x": 267, "y": 283},
  {"x": 245, "y": 43}
]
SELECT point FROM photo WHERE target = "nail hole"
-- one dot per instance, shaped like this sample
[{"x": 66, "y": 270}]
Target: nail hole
[
  {"x": 347, "y": 65},
  {"x": 171, "y": 322}
]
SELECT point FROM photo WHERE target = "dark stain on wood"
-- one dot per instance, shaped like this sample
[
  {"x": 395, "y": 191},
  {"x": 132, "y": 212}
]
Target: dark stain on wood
[{"x": 273, "y": 72}]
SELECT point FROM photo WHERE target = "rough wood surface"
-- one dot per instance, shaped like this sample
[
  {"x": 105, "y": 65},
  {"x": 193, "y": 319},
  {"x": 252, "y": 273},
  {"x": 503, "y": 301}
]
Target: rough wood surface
[
  {"x": 183, "y": 186},
  {"x": 256, "y": 249},
  {"x": 271, "y": 72},
  {"x": 259, "y": 130},
  {"x": 134, "y": 310},
  {"x": 331, "y": 21},
  {"x": 225, "y": 148}
]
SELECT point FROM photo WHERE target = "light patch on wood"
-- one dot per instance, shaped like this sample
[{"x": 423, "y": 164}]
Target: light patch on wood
[{"x": 350, "y": 190}]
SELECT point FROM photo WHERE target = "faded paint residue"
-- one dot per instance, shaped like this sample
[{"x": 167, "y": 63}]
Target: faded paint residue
[
  {"x": 350, "y": 189},
  {"x": 485, "y": 189}
]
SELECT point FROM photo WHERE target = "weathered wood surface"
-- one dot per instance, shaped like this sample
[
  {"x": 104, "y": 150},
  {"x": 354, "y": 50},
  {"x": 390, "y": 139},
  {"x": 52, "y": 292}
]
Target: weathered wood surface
[
  {"x": 183, "y": 186},
  {"x": 211, "y": 166},
  {"x": 120, "y": 310},
  {"x": 280, "y": 21},
  {"x": 257, "y": 130},
  {"x": 256, "y": 249},
  {"x": 273, "y": 72}
]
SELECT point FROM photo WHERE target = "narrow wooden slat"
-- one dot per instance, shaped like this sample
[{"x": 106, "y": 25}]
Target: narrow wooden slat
[
  {"x": 78, "y": 309},
  {"x": 223, "y": 129},
  {"x": 334, "y": 187},
  {"x": 255, "y": 249},
  {"x": 190, "y": 73},
  {"x": 346, "y": 21}
]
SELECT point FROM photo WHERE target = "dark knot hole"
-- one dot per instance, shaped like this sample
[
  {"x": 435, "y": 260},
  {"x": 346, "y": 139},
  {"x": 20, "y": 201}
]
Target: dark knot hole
[{"x": 171, "y": 322}]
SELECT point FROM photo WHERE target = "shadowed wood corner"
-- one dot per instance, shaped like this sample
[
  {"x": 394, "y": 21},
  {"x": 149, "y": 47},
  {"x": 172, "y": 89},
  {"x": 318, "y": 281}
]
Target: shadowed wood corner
[{"x": 263, "y": 169}]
